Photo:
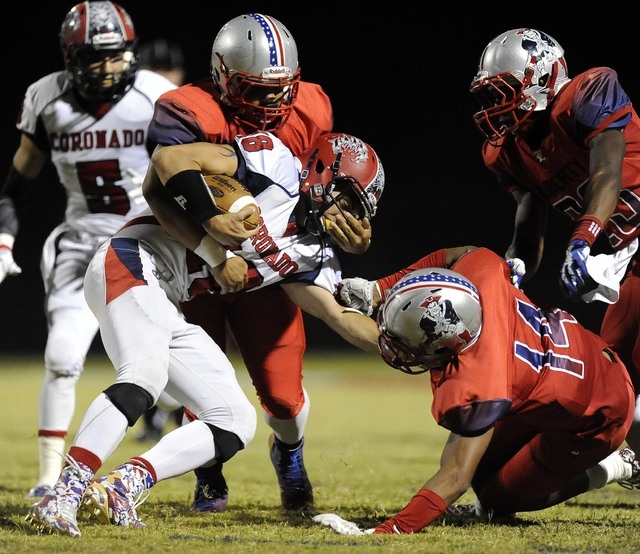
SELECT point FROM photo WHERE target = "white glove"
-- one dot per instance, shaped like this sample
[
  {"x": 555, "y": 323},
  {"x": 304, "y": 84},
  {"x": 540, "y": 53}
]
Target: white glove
[
  {"x": 518, "y": 270},
  {"x": 8, "y": 266},
  {"x": 340, "y": 525},
  {"x": 357, "y": 293}
]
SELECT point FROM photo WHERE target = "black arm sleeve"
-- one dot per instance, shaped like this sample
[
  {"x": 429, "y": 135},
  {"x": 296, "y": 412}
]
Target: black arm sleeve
[
  {"x": 190, "y": 191},
  {"x": 13, "y": 195}
]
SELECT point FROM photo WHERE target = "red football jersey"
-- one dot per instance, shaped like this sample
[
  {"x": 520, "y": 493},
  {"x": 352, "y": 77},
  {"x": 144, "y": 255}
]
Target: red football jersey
[
  {"x": 192, "y": 113},
  {"x": 540, "y": 367},
  {"x": 558, "y": 168}
]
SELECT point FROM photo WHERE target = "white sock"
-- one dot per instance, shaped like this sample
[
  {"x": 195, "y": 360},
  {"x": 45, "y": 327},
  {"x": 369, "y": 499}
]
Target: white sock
[
  {"x": 51, "y": 455},
  {"x": 290, "y": 431},
  {"x": 610, "y": 470}
]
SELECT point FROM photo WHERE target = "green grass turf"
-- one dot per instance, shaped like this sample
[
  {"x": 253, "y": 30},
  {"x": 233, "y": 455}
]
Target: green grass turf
[{"x": 371, "y": 444}]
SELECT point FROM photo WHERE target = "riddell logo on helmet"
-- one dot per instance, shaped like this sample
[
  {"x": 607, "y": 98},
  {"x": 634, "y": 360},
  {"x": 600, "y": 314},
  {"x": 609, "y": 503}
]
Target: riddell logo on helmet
[
  {"x": 276, "y": 72},
  {"x": 108, "y": 39}
]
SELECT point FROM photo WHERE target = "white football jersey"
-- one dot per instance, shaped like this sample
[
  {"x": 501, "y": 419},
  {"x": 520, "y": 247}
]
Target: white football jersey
[
  {"x": 100, "y": 160},
  {"x": 281, "y": 251},
  {"x": 177, "y": 270}
]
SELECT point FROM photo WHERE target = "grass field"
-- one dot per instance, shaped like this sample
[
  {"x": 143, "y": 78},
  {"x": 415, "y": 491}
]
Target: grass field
[{"x": 371, "y": 443}]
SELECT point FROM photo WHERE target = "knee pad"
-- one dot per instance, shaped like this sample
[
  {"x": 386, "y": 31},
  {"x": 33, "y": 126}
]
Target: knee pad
[
  {"x": 227, "y": 443},
  {"x": 132, "y": 400}
]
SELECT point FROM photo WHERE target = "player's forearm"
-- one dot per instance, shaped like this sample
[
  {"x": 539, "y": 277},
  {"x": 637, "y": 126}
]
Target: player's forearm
[
  {"x": 170, "y": 214},
  {"x": 357, "y": 329}
]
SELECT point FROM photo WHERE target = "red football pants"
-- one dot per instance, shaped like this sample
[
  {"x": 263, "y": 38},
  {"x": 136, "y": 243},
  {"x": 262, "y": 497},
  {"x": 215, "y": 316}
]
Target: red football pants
[
  {"x": 268, "y": 330},
  {"x": 523, "y": 467},
  {"x": 621, "y": 325}
]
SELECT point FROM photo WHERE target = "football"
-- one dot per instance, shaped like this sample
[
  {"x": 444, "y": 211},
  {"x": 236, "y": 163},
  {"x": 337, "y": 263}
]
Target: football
[{"x": 231, "y": 196}]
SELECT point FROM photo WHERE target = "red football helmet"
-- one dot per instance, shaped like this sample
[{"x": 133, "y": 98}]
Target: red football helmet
[
  {"x": 88, "y": 30},
  {"x": 335, "y": 165}
]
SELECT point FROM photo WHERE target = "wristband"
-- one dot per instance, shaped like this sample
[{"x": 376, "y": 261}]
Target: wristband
[
  {"x": 190, "y": 191},
  {"x": 588, "y": 229},
  {"x": 212, "y": 252},
  {"x": 6, "y": 241}
]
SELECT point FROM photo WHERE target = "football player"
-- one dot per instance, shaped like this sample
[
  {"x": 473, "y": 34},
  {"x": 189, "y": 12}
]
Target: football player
[
  {"x": 254, "y": 85},
  {"x": 165, "y": 57},
  {"x": 572, "y": 144},
  {"x": 137, "y": 280},
  {"x": 533, "y": 400},
  {"x": 91, "y": 120}
]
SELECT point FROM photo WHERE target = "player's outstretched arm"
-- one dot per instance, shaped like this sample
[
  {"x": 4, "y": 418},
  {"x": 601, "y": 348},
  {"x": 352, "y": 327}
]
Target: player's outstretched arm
[
  {"x": 365, "y": 296},
  {"x": 354, "y": 327},
  {"x": 458, "y": 463}
]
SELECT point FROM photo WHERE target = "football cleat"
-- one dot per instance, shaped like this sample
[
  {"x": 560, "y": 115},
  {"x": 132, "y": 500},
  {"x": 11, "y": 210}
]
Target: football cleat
[
  {"x": 628, "y": 457},
  {"x": 57, "y": 512},
  {"x": 462, "y": 511},
  {"x": 211, "y": 493},
  {"x": 476, "y": 513},
  {"x": 296, "y": 492},
  {"x": 113, "y": 499}
]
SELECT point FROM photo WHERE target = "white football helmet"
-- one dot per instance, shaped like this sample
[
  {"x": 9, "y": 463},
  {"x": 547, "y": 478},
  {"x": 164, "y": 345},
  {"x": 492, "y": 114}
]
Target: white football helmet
[
  {"x": 520, "y": 72},
  {"x": 88, "y": 30},
  {"x": 430, "y": 316},
  {"x": 338, "y": 165},
  {"x": 254, "y": 63}
]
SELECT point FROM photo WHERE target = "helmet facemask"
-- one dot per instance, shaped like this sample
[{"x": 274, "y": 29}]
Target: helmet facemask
[
  {"x": 520, "y": 72},
  {"x": 100, "y": 86},
  {"x": 341, "y": 193},
  {"x": 408, "y": 360},
  {"x": 505, "y": 107},
  {"x": 262, "y": 103}
]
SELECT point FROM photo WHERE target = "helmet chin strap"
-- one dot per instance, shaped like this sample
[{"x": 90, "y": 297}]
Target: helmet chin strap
[{"x": 305, "y": 171}]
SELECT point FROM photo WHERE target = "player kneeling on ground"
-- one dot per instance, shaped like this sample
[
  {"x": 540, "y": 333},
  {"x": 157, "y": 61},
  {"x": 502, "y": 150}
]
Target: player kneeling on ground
[{"x": 533, "y": 400}]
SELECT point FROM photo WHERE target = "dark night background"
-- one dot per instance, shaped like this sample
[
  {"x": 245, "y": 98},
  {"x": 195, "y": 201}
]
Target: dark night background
[{"x": 398, "y": 78}]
